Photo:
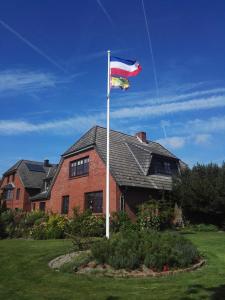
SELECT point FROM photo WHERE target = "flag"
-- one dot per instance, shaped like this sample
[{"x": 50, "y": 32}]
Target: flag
[
  {"x": 124, "y": 67},
  {"x": 120, "y": 82}
]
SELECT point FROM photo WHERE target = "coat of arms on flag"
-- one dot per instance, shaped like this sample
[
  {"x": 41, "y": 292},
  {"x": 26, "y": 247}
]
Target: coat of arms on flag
[{"x": 119, "y": 82}]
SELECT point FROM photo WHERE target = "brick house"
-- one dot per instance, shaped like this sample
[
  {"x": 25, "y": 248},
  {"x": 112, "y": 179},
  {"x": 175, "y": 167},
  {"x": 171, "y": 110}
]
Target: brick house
[
  {"x": 24, "y": 180},
  {"x": 138, "y": 168}
]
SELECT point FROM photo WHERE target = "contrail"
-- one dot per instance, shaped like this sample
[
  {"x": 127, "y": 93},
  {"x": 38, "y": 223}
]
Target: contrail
[
  {"x": 105, "y": 11},
  {"x": 151, "y": 50},
  {"x": 32, "y": 46}
]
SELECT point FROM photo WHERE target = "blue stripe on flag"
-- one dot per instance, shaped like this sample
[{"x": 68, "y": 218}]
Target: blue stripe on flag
[{"x": 125, "y": 61}]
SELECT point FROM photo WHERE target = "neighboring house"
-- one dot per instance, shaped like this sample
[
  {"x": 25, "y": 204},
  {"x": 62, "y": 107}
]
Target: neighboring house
[
  {"x": 24, "y": 180},
  {"x": 138, "y": 168}
]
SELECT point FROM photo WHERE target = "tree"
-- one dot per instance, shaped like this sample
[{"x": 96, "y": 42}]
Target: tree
[{"x": 201, "y": 193}]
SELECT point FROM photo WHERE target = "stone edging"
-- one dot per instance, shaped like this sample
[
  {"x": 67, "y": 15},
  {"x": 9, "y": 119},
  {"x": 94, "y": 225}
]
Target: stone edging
[{"x": 57, "y": 262}]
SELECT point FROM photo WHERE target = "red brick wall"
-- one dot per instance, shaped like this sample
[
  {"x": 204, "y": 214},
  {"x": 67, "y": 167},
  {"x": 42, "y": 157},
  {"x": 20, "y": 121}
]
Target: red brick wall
[
  {"x": 23, "y": 202},
  {"x": 76, "y": 187}
]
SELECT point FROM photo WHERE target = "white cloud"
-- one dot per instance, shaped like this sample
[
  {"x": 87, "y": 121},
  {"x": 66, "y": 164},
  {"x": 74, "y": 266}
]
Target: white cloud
[
  {"x": 169, "y": 108},
  {"x": 75, "y": 124},
  {"x": 202, "y": 139},
  {"x": 21, "y": 80},
  {"x": 174, "y": 142},
  {"x": 206, "y": 126}
]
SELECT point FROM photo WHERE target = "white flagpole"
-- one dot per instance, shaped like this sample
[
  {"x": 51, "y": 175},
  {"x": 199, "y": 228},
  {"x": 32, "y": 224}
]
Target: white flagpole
[{"x": 107, "y": 158}]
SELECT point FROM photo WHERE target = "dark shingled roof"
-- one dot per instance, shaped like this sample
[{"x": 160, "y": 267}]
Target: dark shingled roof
[
  {"x": 41, "y": 196},
  {"x": 31, "y": 178},
  {"x": 129, "y": 157}
]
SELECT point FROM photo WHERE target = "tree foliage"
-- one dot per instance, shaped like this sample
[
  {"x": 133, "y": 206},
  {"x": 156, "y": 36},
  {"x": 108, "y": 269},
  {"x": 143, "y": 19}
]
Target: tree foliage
[{"x": 201, "y": 193}]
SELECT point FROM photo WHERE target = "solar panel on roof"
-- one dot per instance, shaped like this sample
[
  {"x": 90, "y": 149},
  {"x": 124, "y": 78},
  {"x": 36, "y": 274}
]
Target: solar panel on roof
[{"x": 35, "y": 168}]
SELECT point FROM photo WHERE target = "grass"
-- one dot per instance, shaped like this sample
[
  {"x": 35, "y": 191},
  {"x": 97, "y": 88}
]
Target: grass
[{"x": 24, "y": 274}]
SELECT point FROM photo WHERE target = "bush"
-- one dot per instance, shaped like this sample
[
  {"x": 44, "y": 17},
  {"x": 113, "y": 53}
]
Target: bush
[
  {"x": 155, "y": 250},
  {"x": 13, "y": 223},
  {"x": 86, "y": 224},
  {"x": 38, "y": 232},
  {"x": 34, "y": 217},
  {"x": 53, "y": 228},
  {"x": 120, "y": 221},
  {"x": 154, "y": 214}
]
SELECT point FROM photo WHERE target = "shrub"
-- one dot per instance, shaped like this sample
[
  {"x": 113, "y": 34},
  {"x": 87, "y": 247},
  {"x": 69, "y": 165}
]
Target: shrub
[
  {"x": 13, "y": 223},
  {"x": 86, "y": 224},
  {"x": 3, "y": 233},
  {"x": 38, "y": 232},
  {"x": 156, "y": 250},
  {"x": 52, "y": 228},
  {"x": 34, "y": 217},
  {"x": 120, "y": 221},
  {"x": 154, "y": 214}
]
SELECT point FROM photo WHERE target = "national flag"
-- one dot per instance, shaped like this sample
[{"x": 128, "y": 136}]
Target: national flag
[
  {"x": 124, "y": 67},
  {"x": 120, "y": 82}
]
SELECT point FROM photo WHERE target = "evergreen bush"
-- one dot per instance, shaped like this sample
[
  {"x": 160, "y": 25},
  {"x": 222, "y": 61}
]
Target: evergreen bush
[
  {"x": 85, "y": 224},
  {"x": 156, "y": 250}
]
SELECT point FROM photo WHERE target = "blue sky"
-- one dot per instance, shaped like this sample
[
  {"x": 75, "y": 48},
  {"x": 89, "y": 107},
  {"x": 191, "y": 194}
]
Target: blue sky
[{"x": 53, "y": 67}]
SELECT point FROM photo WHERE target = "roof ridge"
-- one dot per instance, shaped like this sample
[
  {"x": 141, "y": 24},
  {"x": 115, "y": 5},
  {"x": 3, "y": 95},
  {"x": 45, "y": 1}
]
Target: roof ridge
[
  {"x": 135, "y": 158},
  {"x": 130, "y": 135},
  {"x": 166, "y": 149},
  {"x": 85, "y": 134},
  {"x": 140, "y": 147}
]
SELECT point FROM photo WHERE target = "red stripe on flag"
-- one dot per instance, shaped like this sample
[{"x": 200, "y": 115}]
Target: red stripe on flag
[{"x": 124, "y": 73}]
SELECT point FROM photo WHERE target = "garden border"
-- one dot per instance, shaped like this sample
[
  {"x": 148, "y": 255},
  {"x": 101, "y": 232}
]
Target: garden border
[{"x": 59, "y": 261}]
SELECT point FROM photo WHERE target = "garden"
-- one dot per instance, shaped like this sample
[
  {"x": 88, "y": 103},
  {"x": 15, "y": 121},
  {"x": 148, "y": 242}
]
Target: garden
[{"x": 153, "y": 245}]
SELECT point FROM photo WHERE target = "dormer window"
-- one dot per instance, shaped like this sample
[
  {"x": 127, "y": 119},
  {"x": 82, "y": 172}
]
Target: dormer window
[
  {"x": 79, "y": 167},
  {"x": 163, "y": 166}
]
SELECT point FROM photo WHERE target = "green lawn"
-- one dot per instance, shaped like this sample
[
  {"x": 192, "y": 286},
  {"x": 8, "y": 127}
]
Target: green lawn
[{"x": 24, "y": 274}]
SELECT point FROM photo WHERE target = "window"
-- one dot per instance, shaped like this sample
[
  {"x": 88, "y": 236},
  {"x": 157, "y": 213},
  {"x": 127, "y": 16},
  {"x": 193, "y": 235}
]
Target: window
[
  {"x": 42, "y": 206},
  {"x": 79, "y": 167},
  {"x": 164, "y": 167},
  {"x": 167, "y": 168},
  {"x": 65, "y": 205},
  {"x": 13, "y": 177},
  {"x": 17, "y": 194},
  {"x": 93, "y": 201},
  {"x": 8, "y": 178},
  {"x": 33, "y": 206},
  {"x": 8, "y": 195}
]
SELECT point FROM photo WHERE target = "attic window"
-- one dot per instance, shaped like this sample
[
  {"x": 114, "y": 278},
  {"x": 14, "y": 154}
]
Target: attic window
[
  {"x": 163, "y": 166},
  {"x": 79, "y": 167},
  {"x": 35, "y": 167}
]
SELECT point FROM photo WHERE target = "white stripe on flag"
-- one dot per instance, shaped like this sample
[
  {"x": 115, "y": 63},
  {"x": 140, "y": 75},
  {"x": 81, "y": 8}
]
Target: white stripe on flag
[{"x": 120, "y": 65}]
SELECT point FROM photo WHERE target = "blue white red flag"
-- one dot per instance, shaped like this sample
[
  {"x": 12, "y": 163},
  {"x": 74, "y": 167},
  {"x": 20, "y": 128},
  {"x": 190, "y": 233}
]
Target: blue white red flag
[{"x": 124, "y": 67}]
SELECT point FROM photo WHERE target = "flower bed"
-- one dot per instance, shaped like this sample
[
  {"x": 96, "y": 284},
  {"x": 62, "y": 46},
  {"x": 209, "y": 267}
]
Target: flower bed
[{"x": 135, "y": 253}]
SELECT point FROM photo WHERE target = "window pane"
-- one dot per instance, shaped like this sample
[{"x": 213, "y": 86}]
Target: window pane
[
  {"x": 65, "y": 205},
  {"x": 94, "y": 201},
  {"x": 79, "y": 167},
  {"x": 17, "y": 194},
  {"x": 42, "y": 206}
]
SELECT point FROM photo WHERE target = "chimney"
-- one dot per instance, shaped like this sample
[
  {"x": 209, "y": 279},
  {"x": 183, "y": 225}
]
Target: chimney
[
  {"x": 141, "y": 136},
  {"x": 46, "y": 163}
]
